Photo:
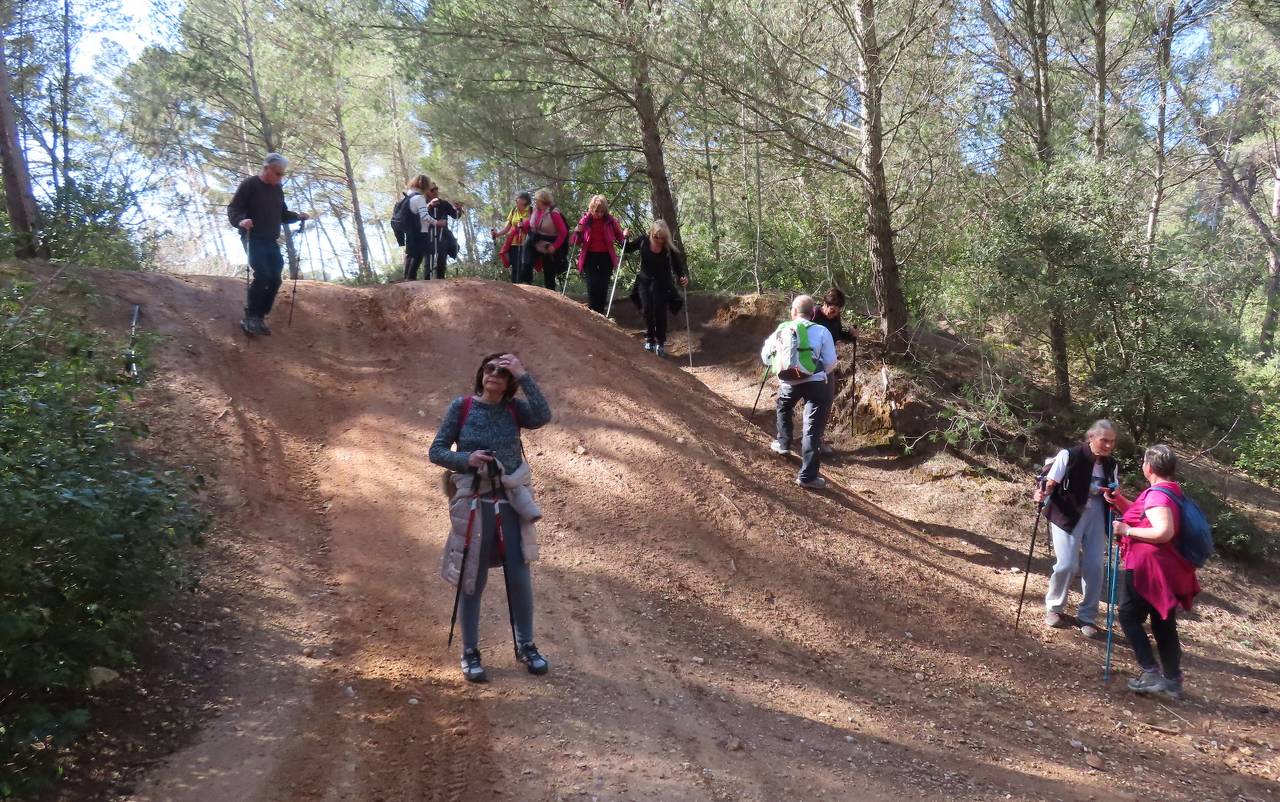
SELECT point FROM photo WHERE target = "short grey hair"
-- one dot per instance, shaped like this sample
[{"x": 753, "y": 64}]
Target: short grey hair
[
  {"x": 1101, "y": 426},
  {"x": 803, "y": 304},
  {"x": 1161, "y": 460},
  {"x": 275, "y": 158}
]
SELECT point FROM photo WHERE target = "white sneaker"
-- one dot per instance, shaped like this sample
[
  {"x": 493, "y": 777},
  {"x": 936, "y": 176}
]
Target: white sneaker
[
  {"x": 779, "y": 448},
  {"x": 816, "y": 483}
]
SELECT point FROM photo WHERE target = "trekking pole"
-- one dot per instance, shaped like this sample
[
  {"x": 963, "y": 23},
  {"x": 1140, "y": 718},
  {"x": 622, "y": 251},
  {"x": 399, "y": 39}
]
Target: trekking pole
[
  {"x": 131, "y": 356},
  {"x": 564, "y": 291},
  {"x": 613, "y": 287},
  {"x": 495, "y": 480},
  {"x": 293, "y": 294},
  {"x": 1113, "y": 557},
  {"x": 764, "y": 377},
  {"x": 466, "y": 548},
  {"x": 1026, "y": 574}
]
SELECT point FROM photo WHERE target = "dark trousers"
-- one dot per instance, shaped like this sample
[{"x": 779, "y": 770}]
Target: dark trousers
[
  {"x": 816, "y": 396},
  {"x": 519, "y": 578},
  {"x": 597, "y": 270},
  {"x": 653, "y": 303},
  {"x": 549, "y": 273},
  {"x": 1133, "y": 613},
  {"x": 267, "y": 264},
  {"x": 522, "y": 263},
  {"x": 412, "y": 261}
]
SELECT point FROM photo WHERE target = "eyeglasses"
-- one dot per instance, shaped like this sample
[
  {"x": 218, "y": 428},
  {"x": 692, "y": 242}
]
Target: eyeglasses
[{"x": 491, "y": 368}]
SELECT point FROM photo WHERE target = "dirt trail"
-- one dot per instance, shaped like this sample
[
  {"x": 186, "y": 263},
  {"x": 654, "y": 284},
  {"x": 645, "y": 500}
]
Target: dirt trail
[{"x": 714, "y": 631}]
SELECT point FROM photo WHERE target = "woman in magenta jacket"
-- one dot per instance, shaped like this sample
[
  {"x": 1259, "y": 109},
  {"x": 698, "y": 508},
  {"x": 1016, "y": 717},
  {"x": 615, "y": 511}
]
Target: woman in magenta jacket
[
  {"x": 597, "y": 236},
  {"x": 1156, "y": 579}
]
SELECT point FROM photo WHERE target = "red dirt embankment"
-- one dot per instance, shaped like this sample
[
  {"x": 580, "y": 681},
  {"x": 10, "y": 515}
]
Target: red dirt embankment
[{"x": 715, "y": 632}]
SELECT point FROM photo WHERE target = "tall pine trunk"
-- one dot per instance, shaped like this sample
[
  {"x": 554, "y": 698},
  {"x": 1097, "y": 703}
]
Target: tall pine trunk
[
  {"x": 884, "y": 262},
  {"x": 660, "y": 196},
  {"x": 363, "y": 268},
  {"x": 1164, "y": 58},
  {"x": 24, "y": 215}
]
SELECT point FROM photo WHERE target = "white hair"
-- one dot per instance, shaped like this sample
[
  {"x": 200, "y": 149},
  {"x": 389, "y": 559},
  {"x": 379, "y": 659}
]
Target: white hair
[
  {"x": 803, "y": 304},
  {"x": 275, "y": 158},
  {"x": 1100, "y": 427}
]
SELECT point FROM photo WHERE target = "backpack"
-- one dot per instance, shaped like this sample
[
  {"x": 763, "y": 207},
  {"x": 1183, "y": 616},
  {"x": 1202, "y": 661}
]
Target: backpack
[
  {"x": 1195, "y": 536},
  {"x": 793, "y": 355},
  {"x": 400, "y": 216}
]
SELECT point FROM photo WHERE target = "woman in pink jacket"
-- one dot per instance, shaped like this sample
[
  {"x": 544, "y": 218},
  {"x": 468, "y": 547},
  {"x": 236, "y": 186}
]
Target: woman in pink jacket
[
  {"x": 1156, "y": 579},
  {"x": 598, "y": 233},
  {"x": 546, "y": 248}
]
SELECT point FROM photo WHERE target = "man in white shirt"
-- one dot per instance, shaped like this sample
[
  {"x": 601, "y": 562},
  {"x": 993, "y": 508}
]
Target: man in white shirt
[{"x": 818, "y": 355}]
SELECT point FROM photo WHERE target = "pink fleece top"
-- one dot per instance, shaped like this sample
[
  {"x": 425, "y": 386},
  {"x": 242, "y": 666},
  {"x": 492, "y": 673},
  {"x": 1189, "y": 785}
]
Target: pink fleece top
[
  {"x": 1160, "y": 574},
  {"x": 598, "y": 236}
]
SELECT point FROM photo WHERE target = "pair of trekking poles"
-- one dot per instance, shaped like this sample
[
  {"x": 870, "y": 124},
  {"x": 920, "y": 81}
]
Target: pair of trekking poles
[
  {"x": 1113, "y": 565},
  {"x": 494, "y": 475}
]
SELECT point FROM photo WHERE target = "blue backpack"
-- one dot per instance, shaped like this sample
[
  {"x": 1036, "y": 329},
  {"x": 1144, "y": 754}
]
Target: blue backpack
[{"x": 1195, "y": 536}]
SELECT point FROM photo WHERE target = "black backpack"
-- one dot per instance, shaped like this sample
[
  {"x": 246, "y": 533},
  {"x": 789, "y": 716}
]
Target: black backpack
[{"x": 400, "y": 216}]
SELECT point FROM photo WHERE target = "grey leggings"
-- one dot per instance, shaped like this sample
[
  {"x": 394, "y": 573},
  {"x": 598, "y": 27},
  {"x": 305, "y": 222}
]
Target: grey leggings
[{"x": 517, "y": 571}]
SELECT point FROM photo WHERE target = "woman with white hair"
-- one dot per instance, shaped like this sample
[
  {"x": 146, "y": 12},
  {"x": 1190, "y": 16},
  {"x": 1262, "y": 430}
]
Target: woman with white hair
[
  {"x": 1077, "y": 522},
  {"x": 661, "y": 266}
]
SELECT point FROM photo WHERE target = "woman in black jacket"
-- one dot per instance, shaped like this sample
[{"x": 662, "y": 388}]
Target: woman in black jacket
[{"x": 661, "y": 266}]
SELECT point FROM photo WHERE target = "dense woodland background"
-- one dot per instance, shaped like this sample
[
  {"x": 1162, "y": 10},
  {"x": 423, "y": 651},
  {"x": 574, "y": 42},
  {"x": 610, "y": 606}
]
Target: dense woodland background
[{"x": 1094, "y": 180}]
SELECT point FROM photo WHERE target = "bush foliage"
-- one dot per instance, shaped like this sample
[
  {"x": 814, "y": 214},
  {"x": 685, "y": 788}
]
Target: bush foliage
[{"x": 88, "y": 538}]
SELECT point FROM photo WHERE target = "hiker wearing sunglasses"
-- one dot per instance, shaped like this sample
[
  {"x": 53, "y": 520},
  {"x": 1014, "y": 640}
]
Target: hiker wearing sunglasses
[
  {"x": 1156, "y": 579},
  {"x": 491, "y": 511},
  {"x": 1077, "y": 522},
  {"x": 801, "y": 353},
  {"x": 654, "y": 294}
]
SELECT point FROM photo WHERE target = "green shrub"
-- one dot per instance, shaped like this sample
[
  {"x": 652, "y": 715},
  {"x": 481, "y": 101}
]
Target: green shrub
[{"x": 88, "y": 538}]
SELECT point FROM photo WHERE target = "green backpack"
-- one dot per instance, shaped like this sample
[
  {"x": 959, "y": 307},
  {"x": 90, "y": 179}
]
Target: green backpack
[{"x": 792, "y": 354}]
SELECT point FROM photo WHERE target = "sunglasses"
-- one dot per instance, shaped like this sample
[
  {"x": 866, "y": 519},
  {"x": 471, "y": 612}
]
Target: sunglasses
[{"x": 491, "y": 368}]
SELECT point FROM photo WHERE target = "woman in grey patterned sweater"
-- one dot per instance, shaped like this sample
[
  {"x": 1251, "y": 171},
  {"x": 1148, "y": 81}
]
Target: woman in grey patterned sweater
[{"x": 486, "y": 428}]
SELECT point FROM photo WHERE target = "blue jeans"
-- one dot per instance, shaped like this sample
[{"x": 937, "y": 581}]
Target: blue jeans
[
  {"x": 518, "y": 577},
  {"x": 816, "y": 396},
  {"x": 267, "y": 264}
]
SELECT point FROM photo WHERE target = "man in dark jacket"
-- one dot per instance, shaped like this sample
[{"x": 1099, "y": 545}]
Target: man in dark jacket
[
  {"x": 827, "y": 315},
  {"x": 259, "y": 211}
]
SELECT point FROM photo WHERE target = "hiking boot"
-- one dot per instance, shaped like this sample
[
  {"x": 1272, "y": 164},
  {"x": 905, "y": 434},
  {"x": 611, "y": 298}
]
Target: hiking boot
[
  {"x": 1148, "y": 682},
  {"x": 648, "y": 346},
  {"x": 1173, "y": 688},
  {"x": 1052, "y": 619},
  {"x": 249, "y": 325},
  {"x": 1090, "y": 631},
  {"x": 263, "y": 328},
  {"x": 536, "y": 663},
  {"x": 472, "y": 671},
  {"x": 779, "y": 448},
  {"x": 660, "y": 349},
  {"x": 816, "y": 483}
]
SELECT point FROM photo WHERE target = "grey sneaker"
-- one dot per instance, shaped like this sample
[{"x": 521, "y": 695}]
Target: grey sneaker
[
  {"x": 816, "y": 483},
  {"x": 826, "y": 450},
  {"x": 263, "y": 328},
  {"x": 648, "y": 346},
  {"x": 779, "y": 448},
  {"x": 660, "y": 349},
  {"x": 1052, "y": 619},
  {"x": 1089, "y": 630},
  {"x": 472, "y": 669},
  {"x": 1148, "y": 682},
  {"x": 1173, "y": 688}
]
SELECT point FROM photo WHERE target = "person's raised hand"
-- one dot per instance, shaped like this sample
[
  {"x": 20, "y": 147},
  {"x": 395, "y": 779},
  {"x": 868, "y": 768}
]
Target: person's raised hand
[
  {"x": 512, "y": 364},
  {"x": 303, "y": 216},
  {"x": 684, "y": 281},
  {"x": 479, "y": 459},
  {"x": 246, "y": 224}
]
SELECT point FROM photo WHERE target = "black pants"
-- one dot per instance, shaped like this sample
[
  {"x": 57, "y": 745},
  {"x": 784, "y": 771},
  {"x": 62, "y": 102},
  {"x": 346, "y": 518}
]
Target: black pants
[
  {"x": 412, "y": 261},
  {"x": 816, "y": 396},
  {"x": 549, "y": 274},
  {"x": 522, "y": 257},
  {"x": 1133, "y": 613},
  {"x": 597, "y": 270},
  {"x": 268, "y": 268}
]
